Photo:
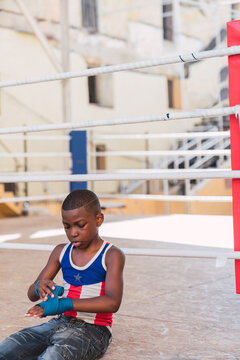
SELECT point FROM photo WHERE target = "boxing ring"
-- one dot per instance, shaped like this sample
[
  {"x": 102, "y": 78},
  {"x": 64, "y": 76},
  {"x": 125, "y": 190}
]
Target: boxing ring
[{"x": 233, "y": 54}]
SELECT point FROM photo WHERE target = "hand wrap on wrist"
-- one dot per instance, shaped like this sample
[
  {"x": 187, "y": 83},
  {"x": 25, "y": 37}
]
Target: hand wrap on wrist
[
  {"x": 54, "y": 306},
  {"x": 35, "y": 288}
]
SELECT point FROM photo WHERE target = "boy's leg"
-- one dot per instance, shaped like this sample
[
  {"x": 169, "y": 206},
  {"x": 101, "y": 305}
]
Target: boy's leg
[
  {"x": 78, "y": 340},
  {"x": 28, "y": 343}
]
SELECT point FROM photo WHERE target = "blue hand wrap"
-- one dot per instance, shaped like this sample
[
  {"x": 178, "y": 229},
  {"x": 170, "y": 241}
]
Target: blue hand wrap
[
  {"x": 54, "y": 306},
  {"x": 36, "y": 287}
]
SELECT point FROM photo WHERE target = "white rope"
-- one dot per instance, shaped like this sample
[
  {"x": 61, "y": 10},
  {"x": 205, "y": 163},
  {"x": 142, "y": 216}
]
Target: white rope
[
  {"x": 188, "y": 135},
  {"x": 180, "y": 198},
  {"x": 221, "y": 255},
  {"x": 34, "y": 155},
  {"x": 199, "y": 113},
  {"x": 138, "y": 175},
  {"x": 194, "y": 56},
  {"x": 182, "y": 253},
  {"x": 30, "y": 173},
  {"x": 32, "y": 198},
  {"x": 35, "y": 137},
  {"x": 214, "y": 152}
]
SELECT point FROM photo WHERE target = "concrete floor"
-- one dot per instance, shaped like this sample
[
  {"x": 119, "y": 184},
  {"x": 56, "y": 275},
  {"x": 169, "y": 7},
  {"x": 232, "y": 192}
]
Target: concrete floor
[{"x": 173, "y": 308}]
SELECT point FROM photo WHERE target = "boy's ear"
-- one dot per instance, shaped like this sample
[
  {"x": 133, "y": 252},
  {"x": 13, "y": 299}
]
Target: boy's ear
[{"x": 99, "y": 219}]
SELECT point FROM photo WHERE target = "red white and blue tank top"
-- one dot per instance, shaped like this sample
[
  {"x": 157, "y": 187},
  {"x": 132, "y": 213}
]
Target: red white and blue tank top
[{"x": 85, "y": 282}]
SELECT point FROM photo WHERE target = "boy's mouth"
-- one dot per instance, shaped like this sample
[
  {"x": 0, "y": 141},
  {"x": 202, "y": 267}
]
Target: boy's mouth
[{"x": 76, "y": 243}]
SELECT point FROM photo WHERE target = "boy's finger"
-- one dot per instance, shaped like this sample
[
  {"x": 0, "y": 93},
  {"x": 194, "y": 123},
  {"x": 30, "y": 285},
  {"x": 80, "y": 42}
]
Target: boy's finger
[
  {"x": 35, "y": 309},
  {"x": 51, "y": 285},
  {"x": 44, "y": 292},
  {"x": 49, "y": 292}
]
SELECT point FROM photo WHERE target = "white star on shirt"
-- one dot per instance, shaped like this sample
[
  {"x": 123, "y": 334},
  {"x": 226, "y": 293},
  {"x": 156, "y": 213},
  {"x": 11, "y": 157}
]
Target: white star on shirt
[{"x": 77, "y": 277}]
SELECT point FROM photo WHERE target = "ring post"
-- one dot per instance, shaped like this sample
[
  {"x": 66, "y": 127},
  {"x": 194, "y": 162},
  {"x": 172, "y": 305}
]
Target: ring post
[
  {"x": 233, "y": 38},
  {"x": 78, "y": 148}
]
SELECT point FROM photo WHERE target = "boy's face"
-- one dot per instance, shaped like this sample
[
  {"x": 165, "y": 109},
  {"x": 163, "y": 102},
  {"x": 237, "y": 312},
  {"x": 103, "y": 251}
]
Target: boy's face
[{"x": 81, "y": 226}]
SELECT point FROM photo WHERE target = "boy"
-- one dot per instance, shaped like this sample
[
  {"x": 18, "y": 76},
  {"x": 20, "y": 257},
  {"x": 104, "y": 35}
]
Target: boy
[{"x": 92, "y": 290}]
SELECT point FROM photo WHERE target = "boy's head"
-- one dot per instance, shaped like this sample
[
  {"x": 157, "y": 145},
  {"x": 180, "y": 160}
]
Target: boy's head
[
  {"x": 81, "y": 217},
  {"x": 86, "y": 198}
]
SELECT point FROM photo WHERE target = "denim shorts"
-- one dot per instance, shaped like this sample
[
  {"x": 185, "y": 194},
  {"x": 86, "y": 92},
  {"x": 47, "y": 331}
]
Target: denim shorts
[{"x": 60, "y": 338}]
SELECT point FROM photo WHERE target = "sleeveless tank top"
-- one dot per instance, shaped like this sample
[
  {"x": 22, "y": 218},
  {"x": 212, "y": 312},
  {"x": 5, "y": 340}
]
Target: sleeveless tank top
[{"x": 85, "y": 282}]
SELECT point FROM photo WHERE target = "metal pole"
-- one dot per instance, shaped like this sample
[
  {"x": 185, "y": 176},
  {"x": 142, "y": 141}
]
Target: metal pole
[
  {"x": 147, "y": 165},
  {"x": 26, "y": 203},
  {"x": 65, "y": 51},
  {"x": 178, "y": 44},
  {"x": 33, "y": 23}
]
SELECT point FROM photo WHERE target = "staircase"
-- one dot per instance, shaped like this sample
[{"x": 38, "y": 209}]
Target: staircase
[
  {"x": 9, "y": 209},
  {"x": 195, "y": 162}
]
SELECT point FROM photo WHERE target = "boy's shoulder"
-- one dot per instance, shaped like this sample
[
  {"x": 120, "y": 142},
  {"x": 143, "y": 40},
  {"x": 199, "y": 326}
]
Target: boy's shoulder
[
  {"x": 58, "y": 249},
  {"x": 115, "y": 253},
  {"x": 114, "y": 248}
]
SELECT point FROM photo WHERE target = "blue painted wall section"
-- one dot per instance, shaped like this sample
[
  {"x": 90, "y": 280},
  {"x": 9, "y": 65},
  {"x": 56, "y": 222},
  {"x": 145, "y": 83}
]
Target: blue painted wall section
[{"x": 78, "y": 148}]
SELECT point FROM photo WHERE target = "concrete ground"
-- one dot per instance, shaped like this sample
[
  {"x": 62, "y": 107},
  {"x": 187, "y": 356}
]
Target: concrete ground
[{"x": 173, "y": 308}]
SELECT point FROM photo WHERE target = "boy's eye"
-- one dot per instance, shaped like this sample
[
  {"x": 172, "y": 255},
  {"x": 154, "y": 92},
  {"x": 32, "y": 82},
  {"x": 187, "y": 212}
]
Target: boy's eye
[{"x": 81, "y": 225}]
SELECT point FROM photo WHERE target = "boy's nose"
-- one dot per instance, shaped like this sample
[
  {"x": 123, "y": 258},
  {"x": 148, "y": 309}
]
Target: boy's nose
[{"x": 74, "y": 232}]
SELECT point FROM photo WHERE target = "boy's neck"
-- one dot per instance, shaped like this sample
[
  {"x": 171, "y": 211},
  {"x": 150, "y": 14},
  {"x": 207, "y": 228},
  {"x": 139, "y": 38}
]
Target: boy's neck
[{"x": 93, "y": 247}]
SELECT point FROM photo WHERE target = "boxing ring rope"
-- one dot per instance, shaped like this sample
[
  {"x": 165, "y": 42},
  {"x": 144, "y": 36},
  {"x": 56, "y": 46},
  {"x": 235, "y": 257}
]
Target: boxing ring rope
[
  {"x": 161, "y": 153},
  {"x": 204, "y": 113},
  {"x": 221, "y": 256},
  {"x": 188, "y": 135},
  {"x": 36, "y": 137},
  {"x": 34, "y": 155},
  {"x": 155, "y": 174},
  {"x": 32, "y": 198},
  {"x": 180, "y": 198},
  {"x": 185, "y": 58},
  {"x": 149, "y": 153}
]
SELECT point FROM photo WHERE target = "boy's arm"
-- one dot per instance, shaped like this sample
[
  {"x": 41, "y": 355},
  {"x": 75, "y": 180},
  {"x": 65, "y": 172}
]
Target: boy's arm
[
  {"x": 110, "y": 302},
  {"x": 46, "y": 276},
  {"x": 107, "y": 303}
]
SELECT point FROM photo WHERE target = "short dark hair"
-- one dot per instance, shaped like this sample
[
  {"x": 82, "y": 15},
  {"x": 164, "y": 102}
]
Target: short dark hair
[{"x": 81, "y": 197}]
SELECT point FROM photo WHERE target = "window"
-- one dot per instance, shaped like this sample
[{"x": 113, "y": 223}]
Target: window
[
  {"x": 89, "y": 15},
  {"x": 101, "y": 160},
  {"x": 224, "y": 94},
  {"x": 174, "y": 94},
  {"x": 167, "y": 22},
  {"x": 12, "y": 187},
  {"x": 92, "y": 91},
  {"x": 224, "y": 74},
  {"x": 170, "y": 93},
  {"x": 235, "y": 11},
  {"x": 100, "y": 90}
]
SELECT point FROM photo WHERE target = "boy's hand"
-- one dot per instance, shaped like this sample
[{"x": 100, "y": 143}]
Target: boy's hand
[
  {"x": 44, "y": 288},
  {"x": 53, "y": 306},
  {"x": 35, "y": 311}
]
